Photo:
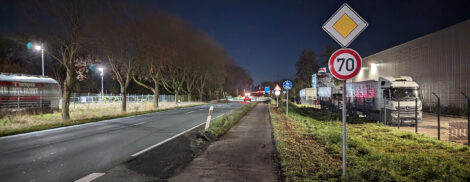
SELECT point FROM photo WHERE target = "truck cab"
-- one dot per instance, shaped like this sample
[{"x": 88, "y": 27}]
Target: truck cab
[{"x": 399, "y": 96}]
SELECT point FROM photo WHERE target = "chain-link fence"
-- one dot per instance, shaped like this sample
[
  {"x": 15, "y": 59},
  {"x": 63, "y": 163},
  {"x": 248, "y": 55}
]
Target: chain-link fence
[{"x": 82, "y": 98}]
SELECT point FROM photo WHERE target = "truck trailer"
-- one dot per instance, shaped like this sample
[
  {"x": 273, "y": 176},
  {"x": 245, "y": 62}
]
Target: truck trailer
[
  {"x": 331, "y": 97},
  {"x": 308, "y": 96},
  {"x": 390, "y": 99}
]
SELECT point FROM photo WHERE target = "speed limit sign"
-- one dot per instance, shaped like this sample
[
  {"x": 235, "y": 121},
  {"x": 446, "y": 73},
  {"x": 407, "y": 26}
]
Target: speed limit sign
[{"x": 345, "y": 63}]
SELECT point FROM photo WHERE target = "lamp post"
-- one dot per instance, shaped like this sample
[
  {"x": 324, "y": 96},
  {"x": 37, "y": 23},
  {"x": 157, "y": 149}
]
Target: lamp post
[
  {"x": 39, "y": 48},
  {"x": 101, "y": 74}
]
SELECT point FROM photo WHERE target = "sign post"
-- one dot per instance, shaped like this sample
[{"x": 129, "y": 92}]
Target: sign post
[
  {"x": 344, "y": 26},
  {"x": 277, "y": 92},
  {"x": 287, "y": 85},
  {"x": 267, "y": 90}
]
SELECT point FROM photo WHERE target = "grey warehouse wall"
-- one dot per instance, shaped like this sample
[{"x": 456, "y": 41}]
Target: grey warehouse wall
[{"x": 439, "y": 62}]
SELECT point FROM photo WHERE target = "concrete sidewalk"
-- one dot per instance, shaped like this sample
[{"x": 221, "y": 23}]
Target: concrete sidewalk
[{"x": 244, "y": 153}]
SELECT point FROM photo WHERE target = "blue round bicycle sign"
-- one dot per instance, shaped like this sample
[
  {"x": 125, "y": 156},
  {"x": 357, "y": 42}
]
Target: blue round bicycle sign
[{"x": 287, "y": 85}]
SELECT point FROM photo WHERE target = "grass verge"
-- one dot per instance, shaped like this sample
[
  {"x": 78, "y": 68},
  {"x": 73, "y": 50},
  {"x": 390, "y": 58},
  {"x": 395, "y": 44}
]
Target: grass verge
[
  {"x": 44, "y": 126},
  {"x": 222, "y": 124},
  {"x": 309, "y": 146}
]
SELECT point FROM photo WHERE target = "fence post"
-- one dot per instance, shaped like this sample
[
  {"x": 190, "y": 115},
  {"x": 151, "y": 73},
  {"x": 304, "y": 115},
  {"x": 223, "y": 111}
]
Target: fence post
[
  {"x": 468, "y": 119},
  {"x": 399, "y": 121},
  {"x": 40, "y": 100},
  {"x": 18, "y": 91},
  {"x": 416, "y": 115},
  {"x": 385, "y": 112},
  {"x": 438, "y": 116}
]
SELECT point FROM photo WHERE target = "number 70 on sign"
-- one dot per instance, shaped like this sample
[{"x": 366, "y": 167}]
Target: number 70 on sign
[{"x": 345, "y": 63}]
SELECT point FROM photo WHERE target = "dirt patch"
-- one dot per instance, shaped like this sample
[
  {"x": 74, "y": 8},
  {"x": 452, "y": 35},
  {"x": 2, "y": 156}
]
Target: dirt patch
[{"x": 161, "y": 162}]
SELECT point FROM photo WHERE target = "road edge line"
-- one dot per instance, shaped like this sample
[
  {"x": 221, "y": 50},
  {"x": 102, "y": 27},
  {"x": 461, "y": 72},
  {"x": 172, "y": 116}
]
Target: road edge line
[{"x": 90, "y": 177}]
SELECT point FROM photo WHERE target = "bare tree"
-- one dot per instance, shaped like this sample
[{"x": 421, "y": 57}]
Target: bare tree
[
  {"x": 173, "y": 78},
  {"x": 154, "y": 50},
  {"x": 117, "y": 47},
  {"x": 64, "y": 20}
]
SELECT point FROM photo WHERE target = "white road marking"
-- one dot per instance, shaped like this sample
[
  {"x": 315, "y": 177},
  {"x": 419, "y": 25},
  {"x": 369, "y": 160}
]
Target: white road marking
[
  {"x": 189, "y": 112},
  {"x": 139, "y": 123},
  {"x": 171, "y": 138},
  {"x": 90, "y": 177}
]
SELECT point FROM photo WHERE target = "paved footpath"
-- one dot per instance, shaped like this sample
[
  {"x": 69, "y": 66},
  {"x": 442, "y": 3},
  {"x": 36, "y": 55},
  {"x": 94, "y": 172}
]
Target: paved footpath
[{"x": 244, "y": 153}]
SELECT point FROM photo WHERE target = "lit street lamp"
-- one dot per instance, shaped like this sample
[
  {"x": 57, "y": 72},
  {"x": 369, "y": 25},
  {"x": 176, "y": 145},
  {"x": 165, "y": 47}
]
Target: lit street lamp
[
  {"x": 39, "y": 48},
  {"x": 101, "y": 73}
]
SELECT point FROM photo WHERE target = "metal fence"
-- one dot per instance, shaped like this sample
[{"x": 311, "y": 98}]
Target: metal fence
[{"x": 81, "y": 98}]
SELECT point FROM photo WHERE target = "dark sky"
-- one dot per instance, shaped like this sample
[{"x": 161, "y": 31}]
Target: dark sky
[{"x": 266, "y": 36}]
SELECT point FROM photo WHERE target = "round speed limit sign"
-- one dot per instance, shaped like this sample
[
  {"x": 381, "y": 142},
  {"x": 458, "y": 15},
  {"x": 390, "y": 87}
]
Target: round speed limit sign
[{"x": 345, "y": 63}]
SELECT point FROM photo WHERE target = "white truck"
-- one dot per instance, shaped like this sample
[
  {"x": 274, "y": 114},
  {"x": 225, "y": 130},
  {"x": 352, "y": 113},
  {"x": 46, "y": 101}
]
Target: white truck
[
  {"x": 308, "y": 96},
  {"x": 390, "y": 99}
]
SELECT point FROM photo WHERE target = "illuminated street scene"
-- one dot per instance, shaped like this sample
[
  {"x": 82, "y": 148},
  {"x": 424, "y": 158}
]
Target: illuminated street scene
[{"x": 242, "y": 91}]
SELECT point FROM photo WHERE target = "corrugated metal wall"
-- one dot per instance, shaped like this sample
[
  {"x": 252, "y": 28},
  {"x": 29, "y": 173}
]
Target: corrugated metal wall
[{"x": 439, "y": 62}]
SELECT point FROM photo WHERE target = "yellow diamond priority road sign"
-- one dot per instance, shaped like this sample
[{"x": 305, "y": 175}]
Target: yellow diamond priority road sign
[{"x": 345, "y": 25}]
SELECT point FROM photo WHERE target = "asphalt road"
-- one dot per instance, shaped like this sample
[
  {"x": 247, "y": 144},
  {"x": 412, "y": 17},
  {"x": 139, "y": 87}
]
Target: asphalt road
[{"x": 70, "y": 153}]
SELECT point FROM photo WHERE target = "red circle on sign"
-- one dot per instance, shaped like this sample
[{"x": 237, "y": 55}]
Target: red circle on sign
[{"x": 333, "y": 57}]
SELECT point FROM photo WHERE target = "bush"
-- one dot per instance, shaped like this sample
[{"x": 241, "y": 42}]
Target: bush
[{"x": 221, "y": 125}]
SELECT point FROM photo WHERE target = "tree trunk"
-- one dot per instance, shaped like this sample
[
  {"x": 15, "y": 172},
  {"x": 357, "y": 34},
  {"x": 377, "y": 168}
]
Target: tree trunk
[
  {"x": 189, "y": 97},
  {"x": 124, "y": 99},
  {"x": 66, "y": 95},
  {"x": 156, "y": 95},
  {"x": 200, "y": 96},
  {"x": 176, "y": 96}
]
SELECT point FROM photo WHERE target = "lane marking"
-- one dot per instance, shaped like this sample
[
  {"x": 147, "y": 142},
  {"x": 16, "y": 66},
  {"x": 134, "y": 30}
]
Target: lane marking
[
  {"x": 168, "y": 139},
  {"x": 90, "y": 177},
  {"x": 189, "y": 112},
  {"x": 139, "y": 123}
]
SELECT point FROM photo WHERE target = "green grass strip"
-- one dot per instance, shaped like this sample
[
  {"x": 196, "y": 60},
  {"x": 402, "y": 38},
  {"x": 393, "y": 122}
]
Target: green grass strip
[
  {"x": 375, "y": 152},
  {"x": 221, "y": 125}
]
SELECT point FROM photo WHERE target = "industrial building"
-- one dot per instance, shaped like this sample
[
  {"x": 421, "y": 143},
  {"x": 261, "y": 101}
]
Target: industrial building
[{"x": 439, "y": 62}]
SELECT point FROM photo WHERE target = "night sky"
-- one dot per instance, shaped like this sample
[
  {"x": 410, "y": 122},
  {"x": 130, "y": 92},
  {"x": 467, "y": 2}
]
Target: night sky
[{"x": 266, "y": 37}]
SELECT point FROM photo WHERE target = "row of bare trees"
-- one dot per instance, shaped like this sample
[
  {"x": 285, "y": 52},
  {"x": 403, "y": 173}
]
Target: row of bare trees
[{"x": 156, "y": 50}]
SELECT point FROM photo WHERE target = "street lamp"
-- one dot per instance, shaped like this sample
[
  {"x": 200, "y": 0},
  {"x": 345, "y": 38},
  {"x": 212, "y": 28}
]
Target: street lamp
[
  {"x": 101, "y": 74},
  {"x": 39, "y": 48}
]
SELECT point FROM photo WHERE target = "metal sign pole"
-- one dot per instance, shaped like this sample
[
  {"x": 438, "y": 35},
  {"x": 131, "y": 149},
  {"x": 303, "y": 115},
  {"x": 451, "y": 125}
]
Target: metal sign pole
[
  {"x": 287, "y": 103},
  {"x": 277, "y": 101},
  {"x": 339, "y": 33},
  {"x": 344, "y": 129}
]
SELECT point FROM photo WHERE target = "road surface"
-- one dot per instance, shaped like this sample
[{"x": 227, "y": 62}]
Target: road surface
[{"x": 70, "y": 153}]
